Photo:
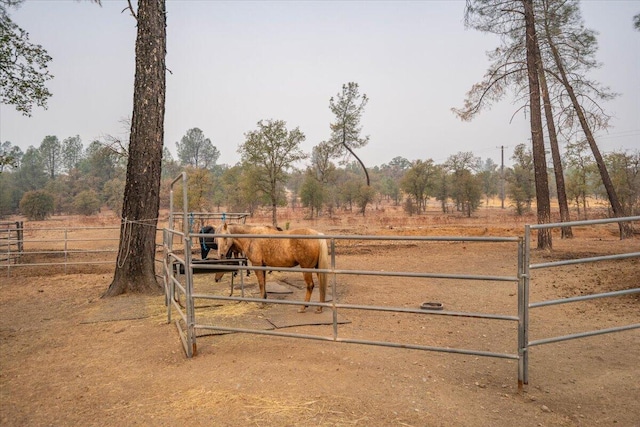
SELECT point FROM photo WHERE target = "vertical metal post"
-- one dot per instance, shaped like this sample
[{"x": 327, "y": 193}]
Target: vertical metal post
[
  {"x": 168, "y": 272},
  {"x": 20, "y": 228},
  {"x": 168, "y": 242},
  {"x": 188, "y": 273},
  {"x": 521, "y": 343},
  {"x": 333, "y": 289},
  {"x": 502, "y": 195},
  {"x": 523, "y": 311},
  {"x": 65, "y": 250},
  {"x": 9, "y": 249},
  {"x": 191, "y": 315},
  {"x": 171, "y": 219},
  {"x": 242, "y": 273}
]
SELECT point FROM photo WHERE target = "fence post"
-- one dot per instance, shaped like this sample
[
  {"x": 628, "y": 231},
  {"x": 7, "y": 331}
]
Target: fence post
[
  {"x": 191, "y": 315},
  {"x": 334, "y": 291},
  {"x": 523, "y": 309},
  {"x": 66, "y": 248},
  {"x": 20, "y": 236},
  {"x": 188, "y": 273}
]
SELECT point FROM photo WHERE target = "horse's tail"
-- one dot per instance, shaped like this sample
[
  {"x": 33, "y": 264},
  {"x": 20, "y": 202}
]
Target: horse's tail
[{"x": 323, "y": 263}]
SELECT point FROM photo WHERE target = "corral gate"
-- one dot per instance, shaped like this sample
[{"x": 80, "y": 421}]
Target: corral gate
[
  {"x": 523, "y": 373},
  {"x": 521, "y": 278}
]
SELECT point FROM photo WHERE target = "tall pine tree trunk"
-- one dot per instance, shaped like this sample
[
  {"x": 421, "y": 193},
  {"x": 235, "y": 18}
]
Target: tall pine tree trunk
[
  {"x": 618, "y": 210},
  {"x": 555, "y": 155},
  {"x": 539, "y": 159},
  {"x": 135, "y": 269}
]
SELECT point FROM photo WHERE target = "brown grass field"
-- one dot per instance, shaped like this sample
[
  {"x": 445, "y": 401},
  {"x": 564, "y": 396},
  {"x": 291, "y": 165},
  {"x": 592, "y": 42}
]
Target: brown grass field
[{"x": 68, "y": 357}]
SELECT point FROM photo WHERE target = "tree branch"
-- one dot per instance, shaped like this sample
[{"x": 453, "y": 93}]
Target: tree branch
[{"x": 130, "y": 9}]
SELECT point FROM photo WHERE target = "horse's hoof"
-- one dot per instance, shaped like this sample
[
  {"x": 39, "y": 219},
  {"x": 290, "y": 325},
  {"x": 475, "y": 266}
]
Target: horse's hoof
[
  {"x": 302, "y": 310},
  {"x": 319, "y": 310}
]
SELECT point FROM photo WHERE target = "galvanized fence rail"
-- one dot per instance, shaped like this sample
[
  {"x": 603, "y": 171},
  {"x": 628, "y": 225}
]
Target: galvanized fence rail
[
  {"x": 63, "y": 246},
  {"x": 177, "y": 291},
  {"x": 10, "y": 241},
  {"x": 196, "y": 220},
  {"x": 524, "y": 360},
  {"x": 188, "y": 324}
]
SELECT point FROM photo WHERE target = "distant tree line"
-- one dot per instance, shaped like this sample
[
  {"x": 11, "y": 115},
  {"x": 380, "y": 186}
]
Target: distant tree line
[
  {"x": 544, "y": 57},
  {"x": 64, "y": 177}
]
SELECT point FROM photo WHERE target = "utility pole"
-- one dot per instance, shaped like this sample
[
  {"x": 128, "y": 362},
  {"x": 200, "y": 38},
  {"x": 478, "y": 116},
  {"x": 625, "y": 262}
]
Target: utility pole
[{"x": 502, "y": 176}]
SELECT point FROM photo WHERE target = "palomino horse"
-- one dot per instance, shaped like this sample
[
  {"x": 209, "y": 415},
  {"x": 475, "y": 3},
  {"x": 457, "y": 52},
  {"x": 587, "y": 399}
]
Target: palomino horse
[
  {"x": 209, "y": 243},
  {"x": 280, "y": 252}
]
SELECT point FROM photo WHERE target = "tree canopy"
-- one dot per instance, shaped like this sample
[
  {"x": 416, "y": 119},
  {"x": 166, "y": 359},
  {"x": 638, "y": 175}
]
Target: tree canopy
[
  {"x": 348, "y": 107},
  {"x": 23, "y": 65},
  {"x": 196, "y": 150},
  {"x": 270, "y": 151}
]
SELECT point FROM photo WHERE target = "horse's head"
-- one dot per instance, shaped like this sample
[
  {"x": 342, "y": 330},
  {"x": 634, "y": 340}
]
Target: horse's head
[
  {"x": 207, "y": 243},
  {"x": 224, "y": 243}
]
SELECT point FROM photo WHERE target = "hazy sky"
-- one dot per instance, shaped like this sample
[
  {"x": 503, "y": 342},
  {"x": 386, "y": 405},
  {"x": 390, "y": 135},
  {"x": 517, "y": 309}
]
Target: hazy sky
[{"x": 235, "y": 63}]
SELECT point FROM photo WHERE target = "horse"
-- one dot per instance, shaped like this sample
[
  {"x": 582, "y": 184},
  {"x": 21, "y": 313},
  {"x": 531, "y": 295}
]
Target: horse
[
  {"x": 280, "y": 252},
  {"x": 207, "y": 243}
]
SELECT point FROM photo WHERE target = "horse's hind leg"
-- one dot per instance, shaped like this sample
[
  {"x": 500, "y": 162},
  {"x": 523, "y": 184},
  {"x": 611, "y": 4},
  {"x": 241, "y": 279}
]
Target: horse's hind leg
[{"x": 308, "y": 278}]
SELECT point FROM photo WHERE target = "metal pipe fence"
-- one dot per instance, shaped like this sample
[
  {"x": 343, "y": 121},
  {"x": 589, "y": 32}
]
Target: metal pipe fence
[
  {"x": 522, "y": 277},
  {"x": 526, "y": 344},
  {"x": 188, "y": 314},
  {"x": 10, "y": 241},
  {"x": 189, "y": 322},
  {"x": 63, "y": 247}
]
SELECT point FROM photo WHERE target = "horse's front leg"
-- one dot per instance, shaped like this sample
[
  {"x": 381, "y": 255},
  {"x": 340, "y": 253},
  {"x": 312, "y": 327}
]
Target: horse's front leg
[
  {"x": 263, "y": 286},
  {"x": 308, "y": 278}
]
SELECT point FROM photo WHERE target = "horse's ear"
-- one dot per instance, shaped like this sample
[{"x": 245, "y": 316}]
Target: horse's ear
[{"x": 224, "y": 226}]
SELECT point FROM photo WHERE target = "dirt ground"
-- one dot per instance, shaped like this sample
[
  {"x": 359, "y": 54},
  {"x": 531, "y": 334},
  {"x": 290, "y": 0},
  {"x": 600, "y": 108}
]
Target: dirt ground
[{"x": 68, "y": 357}]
